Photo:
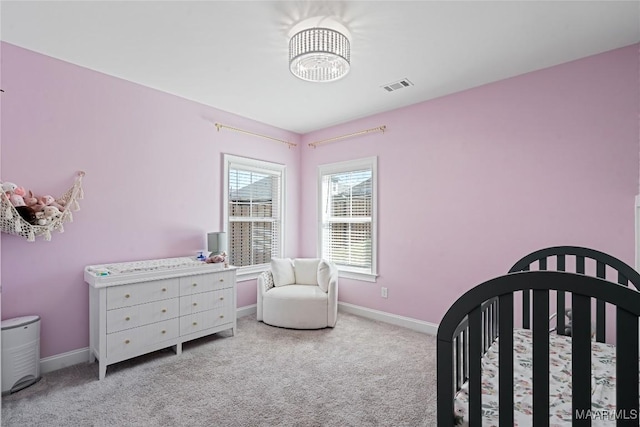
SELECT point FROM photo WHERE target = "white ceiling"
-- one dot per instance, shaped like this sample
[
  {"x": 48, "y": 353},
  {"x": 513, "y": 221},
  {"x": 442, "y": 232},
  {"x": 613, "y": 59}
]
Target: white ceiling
[{"x": 232, "y": 55}]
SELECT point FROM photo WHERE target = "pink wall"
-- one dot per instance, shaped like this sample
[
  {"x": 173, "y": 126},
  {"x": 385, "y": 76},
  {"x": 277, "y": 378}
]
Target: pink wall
[
  {"x": 468, "y": 183},
  {"x": 152, "y": 186},
  {"x": 471, "y": 182},
  {"x": 1, "y": 179}
]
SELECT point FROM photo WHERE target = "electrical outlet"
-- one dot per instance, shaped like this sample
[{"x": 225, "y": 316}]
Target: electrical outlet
[{"x": 383, "y": 292}]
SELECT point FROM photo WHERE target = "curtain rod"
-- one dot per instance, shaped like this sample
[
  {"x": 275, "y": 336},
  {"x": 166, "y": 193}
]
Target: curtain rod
[
  {"x": 335, "y": 138},
  {"x": 290, "y": 144}
]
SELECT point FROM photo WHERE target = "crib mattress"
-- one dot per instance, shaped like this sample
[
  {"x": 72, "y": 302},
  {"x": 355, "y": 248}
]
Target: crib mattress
[{"x": 602, "y": 383}]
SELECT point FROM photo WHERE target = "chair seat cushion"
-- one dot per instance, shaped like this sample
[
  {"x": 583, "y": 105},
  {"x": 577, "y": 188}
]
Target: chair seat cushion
[{"x": 296, "y": 306}]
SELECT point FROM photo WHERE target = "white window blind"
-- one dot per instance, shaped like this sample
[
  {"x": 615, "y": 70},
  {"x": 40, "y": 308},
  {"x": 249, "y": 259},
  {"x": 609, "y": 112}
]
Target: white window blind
[
  {"x": 347, "y": 229},
  {"x": 254, "y": 211}
]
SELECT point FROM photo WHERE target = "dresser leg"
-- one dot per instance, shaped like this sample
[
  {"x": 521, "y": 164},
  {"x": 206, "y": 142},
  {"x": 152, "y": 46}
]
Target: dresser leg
[
  {"x": 178, "y": 349},
  {"x": 92, "y": 357},
  {"x": 103, "y": 370}
]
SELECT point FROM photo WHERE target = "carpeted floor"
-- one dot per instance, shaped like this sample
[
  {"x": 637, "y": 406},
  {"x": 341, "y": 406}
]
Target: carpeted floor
[{"x": 361, "y": 373}]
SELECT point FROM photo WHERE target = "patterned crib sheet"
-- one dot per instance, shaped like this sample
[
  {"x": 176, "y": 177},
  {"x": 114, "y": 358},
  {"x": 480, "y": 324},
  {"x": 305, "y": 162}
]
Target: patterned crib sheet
[{"x": 603, "y": 391}]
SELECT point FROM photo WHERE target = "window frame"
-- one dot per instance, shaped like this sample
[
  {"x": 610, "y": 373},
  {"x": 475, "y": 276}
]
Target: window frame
[
  {"x": 368, "y": 275},
  {"x": 261, "y": 166}
]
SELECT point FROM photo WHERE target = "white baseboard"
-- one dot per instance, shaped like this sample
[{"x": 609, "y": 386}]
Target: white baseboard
[
  {"x": 59, "y": 361},
  {"x": 394, "y": 319},
  {"x": 73, "y": 357},
  {"x": 246, "y": 310}
]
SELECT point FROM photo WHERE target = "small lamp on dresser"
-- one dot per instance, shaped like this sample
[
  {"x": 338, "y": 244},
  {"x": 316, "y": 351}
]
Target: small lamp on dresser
[
  {"x": 217, "y": 246},
  {"x": 217, "y": 243}
]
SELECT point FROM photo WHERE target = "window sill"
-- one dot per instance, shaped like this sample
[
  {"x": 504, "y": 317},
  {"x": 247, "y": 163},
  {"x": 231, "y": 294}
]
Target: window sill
[
  {"x": 355, "y": 275},
  {"x": 250, "y": 273}
]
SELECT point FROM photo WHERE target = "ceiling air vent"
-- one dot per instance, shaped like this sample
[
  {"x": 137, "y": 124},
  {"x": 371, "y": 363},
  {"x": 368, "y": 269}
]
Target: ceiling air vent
[{"x": 391, "y": 87}]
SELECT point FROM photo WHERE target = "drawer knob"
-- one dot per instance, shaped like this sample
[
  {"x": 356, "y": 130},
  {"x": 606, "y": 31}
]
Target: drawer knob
[
  {"x": 222, "y": 316},
  {"x": 164, "y": 332},
  {"x": 222, "y": 280},
  {"x": 164, "y": 289},
  {"x": 164, "y": 310},
  {"x": 195, "y": 323},
  {"x": 127, "y": 341},
  {"x": 221, "y": 298},
  {"x": 195, "y": 284},
  {"x": 127, "y": 318},
  {"x": 127, "y": 296},
  {"x": 195, "y": 303}
]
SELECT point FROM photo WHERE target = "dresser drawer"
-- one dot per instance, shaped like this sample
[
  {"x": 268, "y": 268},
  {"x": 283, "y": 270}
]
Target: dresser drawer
[
  {"x": 132, "y": 341},
  {"x": 138, "y": 293},
  {"x": 205, "y": 319},
  {"x": 205, "y": 301},
  {"x": 206, "y": 282},
  {"x": 141, "y": 314}
]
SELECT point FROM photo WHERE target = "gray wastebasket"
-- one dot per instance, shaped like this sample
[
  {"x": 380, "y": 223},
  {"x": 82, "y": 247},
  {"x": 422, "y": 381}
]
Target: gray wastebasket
[{"x": 20, "y": 353}]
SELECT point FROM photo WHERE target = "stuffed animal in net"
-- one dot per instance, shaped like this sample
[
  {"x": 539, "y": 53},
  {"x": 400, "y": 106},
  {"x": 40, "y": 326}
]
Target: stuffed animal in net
[
  {"x": 50, "y": 201},
  {"x": 8, "y": 188},
  {"x": 47, "y": 215},
  {"x": 51, "y": 213},
  {"x": 28, "y": 214}
]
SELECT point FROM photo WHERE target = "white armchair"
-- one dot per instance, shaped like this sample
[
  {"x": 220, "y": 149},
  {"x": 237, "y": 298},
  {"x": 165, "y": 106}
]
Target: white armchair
[{"x": 298, "y": 294}]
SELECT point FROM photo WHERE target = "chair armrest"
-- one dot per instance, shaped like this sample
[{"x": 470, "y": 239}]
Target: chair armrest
[{"x": 264, "y": 283}]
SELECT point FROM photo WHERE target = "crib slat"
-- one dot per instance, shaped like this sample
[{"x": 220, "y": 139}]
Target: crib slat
[
  {"x": 560, "y": 300},
  {"x": 561, "y": 264},
  {"x": 484, "y": 331},
  {"x": 505, "y": 360},
  {"x": 526, "y": 309},
  {"x": 581, "y": 358},
  {"x": 445, "y": 380},
  {"x": 600, "y": 316},
  {"x": 627, "y": 376},
  {"x": 487, "y": 325},
  {"x": 600, "y": 320},
  {"x": 600, "y": 269},
  {"x": 456, "y": 351},
  {"x": 495, "y": 329},
  {"x": 465, "y": 355},
  {"x": 580, "y": 264},
  {"x": 475, "y": 367},
  {"x": 622, "y": 279},
  {"x": 543, "y": 264},
  {"x": 541, "y": 357}
]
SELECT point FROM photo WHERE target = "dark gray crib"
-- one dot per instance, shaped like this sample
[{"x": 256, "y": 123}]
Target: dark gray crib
[{"x": 485, "y": 312}]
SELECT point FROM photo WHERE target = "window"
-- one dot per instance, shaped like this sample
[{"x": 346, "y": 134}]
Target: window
[
  {"x": 254, "y": 206},
  {"x": 347, "y": 230}
]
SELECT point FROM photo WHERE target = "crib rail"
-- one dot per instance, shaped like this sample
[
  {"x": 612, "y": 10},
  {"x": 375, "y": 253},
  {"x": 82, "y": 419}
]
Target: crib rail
[
  {"x": 619, "y": 272},
  {"x": 466, "y": 320},
  {"x": 489, "y": 332}
]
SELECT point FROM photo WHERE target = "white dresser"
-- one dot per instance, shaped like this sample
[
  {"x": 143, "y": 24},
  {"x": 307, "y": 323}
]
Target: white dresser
[{"x": 144, "y": 306}]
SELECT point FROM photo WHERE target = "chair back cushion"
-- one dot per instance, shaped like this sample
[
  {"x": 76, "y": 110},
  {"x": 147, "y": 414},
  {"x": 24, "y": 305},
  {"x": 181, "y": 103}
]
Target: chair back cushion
[
  {"x": 306, "y": 271},
  {"x": 282, "y": 271}
]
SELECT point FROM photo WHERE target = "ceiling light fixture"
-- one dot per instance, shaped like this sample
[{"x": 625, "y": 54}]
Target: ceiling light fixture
[{"x": 319, "y": 54}]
